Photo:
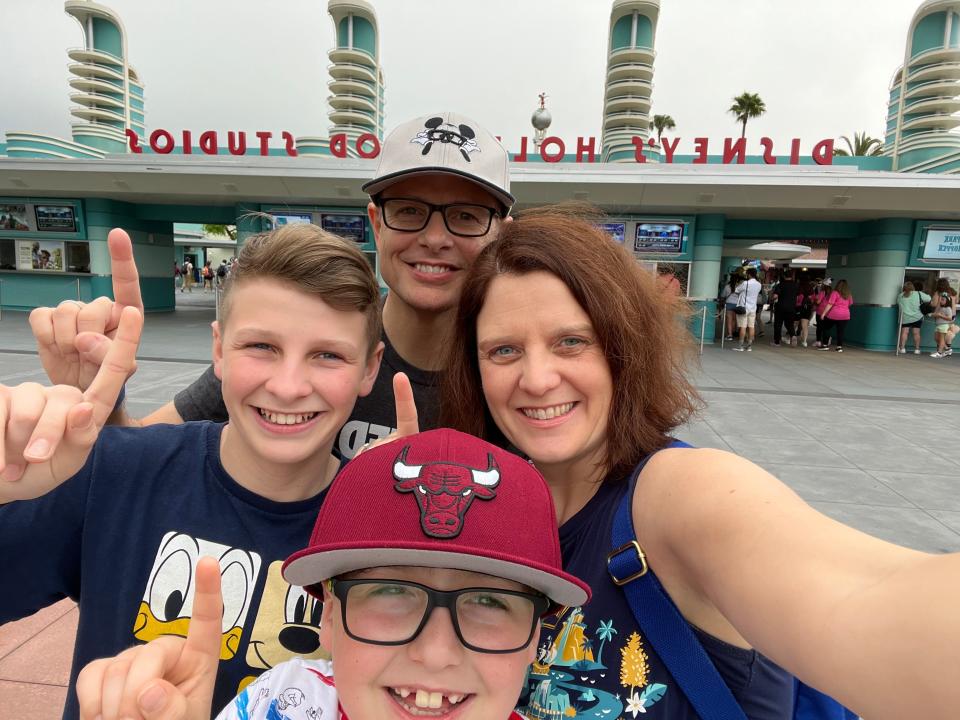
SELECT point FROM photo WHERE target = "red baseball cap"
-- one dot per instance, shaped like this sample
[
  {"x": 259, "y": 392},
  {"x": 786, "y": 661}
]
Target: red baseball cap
[{"x": 439, "y": 499}]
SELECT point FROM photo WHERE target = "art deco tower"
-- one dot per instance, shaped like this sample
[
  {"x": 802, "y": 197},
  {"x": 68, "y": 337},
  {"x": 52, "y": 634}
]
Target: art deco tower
[
  {"x": 925, "y": 93},
  {"x": 108, "y": 97},
  {"x": 630, "y": 54}
]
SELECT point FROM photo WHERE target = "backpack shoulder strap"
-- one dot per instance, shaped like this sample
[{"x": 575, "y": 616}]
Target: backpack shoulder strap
[{"x": 663, "y": 625}]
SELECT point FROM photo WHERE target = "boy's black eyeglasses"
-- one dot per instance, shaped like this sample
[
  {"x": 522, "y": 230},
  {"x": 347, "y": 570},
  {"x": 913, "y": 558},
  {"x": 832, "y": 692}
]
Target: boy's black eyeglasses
[
  {"x": 461, "y": 219},
  {"x": 394, "y": 612}
]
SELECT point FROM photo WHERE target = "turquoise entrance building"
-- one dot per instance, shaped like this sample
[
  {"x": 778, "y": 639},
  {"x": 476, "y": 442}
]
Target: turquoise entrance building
[{"x": 693, "y": 207}]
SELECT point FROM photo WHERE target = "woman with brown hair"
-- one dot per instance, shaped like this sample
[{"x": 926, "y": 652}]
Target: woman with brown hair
[{"x": 566, "y": 350}]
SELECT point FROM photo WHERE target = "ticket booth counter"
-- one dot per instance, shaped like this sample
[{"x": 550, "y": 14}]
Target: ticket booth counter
[{"x": 935, "y": 255}]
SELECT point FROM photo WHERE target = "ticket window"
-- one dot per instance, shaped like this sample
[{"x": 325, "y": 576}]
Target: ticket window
[{"x": 926, "y": 280}]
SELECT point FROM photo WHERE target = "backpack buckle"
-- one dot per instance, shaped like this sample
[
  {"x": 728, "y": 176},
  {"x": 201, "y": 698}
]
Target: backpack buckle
[{"x": 641, "y": 559}]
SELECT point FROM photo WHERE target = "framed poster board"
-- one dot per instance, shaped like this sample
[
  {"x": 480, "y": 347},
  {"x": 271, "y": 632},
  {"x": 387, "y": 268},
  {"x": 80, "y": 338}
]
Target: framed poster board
[
  {"x": 617, "y": 231},
  {"x": 658, "y": 237},
  {"x": 14, "y": 217},
  {"x": 56, "y": 218},
  {"x": 45, "y": 255},
  {"x": 281, "y": 219},
  {"x": 348, "y": 226}
]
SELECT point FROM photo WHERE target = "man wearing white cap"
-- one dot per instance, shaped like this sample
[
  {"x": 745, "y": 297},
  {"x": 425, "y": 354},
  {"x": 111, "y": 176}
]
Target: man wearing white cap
[{"x": 440, "y": 192}]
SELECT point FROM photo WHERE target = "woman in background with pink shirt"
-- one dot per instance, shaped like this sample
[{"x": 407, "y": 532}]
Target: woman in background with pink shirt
[
  {"x": 821, "y": 293},
  {"x": 836, "y": 314}
]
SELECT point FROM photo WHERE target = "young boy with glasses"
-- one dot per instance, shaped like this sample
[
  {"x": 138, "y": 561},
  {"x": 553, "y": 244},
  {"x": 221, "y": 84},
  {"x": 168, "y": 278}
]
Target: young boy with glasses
[{"x": 435, "y": 555}]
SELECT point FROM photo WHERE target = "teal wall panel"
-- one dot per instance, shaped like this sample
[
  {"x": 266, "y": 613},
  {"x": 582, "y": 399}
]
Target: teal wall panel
[
  {"x": 106, "y": 37},
  {"x": 100, "y": 143},
  {"x": 25, "y": 291},
  {"x": 705, "y": 273},
  {"x": 789, "y": 229},
  {"x": 644, "y": 32},
  {"x": 364, "y": 36},
  {"x": 620, "y": 35},
  {"x": 929, "y": 33},
  {"x": 873, "y": 328},
  {"x": 153, "y": 249}
]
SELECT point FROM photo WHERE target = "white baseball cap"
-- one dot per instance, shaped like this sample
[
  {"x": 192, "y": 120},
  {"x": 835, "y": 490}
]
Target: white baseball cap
[{"x": 446, "y": 143}]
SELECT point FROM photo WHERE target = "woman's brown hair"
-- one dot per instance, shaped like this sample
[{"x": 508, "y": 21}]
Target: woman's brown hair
[
  {"x": 843, "y": 287},
  {"x": 638, "y": 325}
]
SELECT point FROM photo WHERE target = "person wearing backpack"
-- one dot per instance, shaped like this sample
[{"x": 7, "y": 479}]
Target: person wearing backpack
[
  {"x": 221, "y": 273},
  {"x": 913, "y": 304}
]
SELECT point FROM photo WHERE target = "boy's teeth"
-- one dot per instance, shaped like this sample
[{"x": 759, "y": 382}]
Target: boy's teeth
[
  {"x": 426, "y": 699},
  {"x": 548, "y": 413},
  {"x": 286, "y": 418}
]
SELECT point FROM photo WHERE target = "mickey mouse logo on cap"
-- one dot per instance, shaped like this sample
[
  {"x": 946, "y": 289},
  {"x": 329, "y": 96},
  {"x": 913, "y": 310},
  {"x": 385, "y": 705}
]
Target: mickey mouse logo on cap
[
  {"x": 444, "y": 491},
  {"x": 436, "y": 130}
]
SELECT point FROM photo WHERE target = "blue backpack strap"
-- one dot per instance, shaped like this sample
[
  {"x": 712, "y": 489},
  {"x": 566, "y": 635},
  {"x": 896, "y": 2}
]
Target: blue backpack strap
[{"x": 662, "y": 623}]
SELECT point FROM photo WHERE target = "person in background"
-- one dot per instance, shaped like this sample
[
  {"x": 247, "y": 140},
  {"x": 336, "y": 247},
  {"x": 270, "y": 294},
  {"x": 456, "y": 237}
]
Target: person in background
[
  {"x": 207, "y": 274},
  {"x": 187, "y": 271},
  {"x": 728, "y": 298},
  {"x": 784, "y": 299},
  {"x": 804, "y": 311},
  {"x": 748, "y": 293},
  {"x": 944, "y": 313},
  {"x": 821, "y": 292},
  {"x": 909, "y": 302},
  {"x": 836, "y": 314},
  {"x": 222, "y": 271}
]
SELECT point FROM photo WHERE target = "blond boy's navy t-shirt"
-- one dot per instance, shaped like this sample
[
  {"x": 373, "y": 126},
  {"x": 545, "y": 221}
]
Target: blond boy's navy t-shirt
[{"x": 122, "y": 538}]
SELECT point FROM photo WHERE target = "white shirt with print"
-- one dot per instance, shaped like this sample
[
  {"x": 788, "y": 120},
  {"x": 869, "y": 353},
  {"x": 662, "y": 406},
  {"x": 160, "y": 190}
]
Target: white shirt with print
[{"x": 297, "y": 689}]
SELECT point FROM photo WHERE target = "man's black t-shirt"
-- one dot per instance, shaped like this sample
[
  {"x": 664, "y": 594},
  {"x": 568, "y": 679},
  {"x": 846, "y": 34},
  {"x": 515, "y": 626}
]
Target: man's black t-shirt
[
  {"x": 373, "y": 417},
  {"x": 787, "y": 292}
]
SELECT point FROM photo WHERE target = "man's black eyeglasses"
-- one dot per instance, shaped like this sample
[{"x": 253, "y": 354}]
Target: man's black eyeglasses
[{"x": 461, "y": 219}]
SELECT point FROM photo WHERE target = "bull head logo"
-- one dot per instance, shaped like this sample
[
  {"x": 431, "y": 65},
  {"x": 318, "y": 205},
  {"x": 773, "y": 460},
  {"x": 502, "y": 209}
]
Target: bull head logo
[{"x": 444, "y": 491}]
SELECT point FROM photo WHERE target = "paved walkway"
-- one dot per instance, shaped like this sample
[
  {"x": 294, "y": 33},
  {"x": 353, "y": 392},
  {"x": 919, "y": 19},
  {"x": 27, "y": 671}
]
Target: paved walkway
[{"x": 859, "y": 435}]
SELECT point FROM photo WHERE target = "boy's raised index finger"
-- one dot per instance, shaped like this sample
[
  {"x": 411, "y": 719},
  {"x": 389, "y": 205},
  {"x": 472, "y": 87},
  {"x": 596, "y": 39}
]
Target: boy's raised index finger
[
  {"x": 126, "y": 278},
  {"x": 205, "y": 631},
  {"x": 407, "y": 421},
  {"x": 117, "y": 365}
]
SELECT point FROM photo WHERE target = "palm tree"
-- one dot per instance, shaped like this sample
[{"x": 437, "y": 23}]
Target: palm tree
[
  {"x": 661, "y": 123},
  {"x": 863, "y": 146},
  {"x": 604, "y": 632},
  {"x": 229, "y": 231},
  {"x": 746, "y": 106}
]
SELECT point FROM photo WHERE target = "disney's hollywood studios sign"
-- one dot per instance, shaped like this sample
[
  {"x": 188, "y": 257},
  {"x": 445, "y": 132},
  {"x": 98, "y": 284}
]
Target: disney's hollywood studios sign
[{"x": 552, "y": 149}]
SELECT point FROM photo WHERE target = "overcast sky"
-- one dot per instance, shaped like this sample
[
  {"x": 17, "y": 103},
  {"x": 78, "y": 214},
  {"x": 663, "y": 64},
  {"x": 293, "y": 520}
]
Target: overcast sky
[{"x": 823, "y": 67}]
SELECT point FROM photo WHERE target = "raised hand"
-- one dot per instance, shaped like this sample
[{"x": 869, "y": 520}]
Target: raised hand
[
  {"x": 407, "y": 420},
  {"x": 168, "y": 678},
  {"x": 47, "y": 432},
  {"x": 73, "y": 338}
]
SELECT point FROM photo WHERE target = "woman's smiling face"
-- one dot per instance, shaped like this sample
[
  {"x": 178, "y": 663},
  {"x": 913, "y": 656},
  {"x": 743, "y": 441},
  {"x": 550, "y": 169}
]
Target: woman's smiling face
[{"x": 545, "y": 376}]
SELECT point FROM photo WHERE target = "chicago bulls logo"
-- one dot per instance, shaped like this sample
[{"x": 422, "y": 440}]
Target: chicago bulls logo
[{"x": 444, "y": 491}]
